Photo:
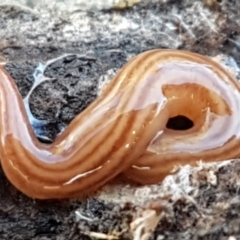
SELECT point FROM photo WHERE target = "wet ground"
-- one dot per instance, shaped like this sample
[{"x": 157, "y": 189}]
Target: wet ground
[{"x": 97, "y": 44}]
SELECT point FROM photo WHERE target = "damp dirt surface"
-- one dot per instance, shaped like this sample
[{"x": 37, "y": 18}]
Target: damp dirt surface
[{"x": 97, "y": 44}]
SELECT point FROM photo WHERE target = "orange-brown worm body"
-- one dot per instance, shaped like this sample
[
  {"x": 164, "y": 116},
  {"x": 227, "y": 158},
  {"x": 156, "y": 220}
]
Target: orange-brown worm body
[{"x": 124, "y": 130}]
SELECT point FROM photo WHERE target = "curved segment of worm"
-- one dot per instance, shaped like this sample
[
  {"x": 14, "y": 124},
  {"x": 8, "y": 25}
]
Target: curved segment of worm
[
  {"x": 125, "y": 129},
  {"x": 200, "y": 89}
]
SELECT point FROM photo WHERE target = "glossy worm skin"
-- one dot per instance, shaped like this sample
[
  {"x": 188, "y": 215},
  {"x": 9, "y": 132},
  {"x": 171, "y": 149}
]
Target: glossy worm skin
[{"x": 124, "y": 130}]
